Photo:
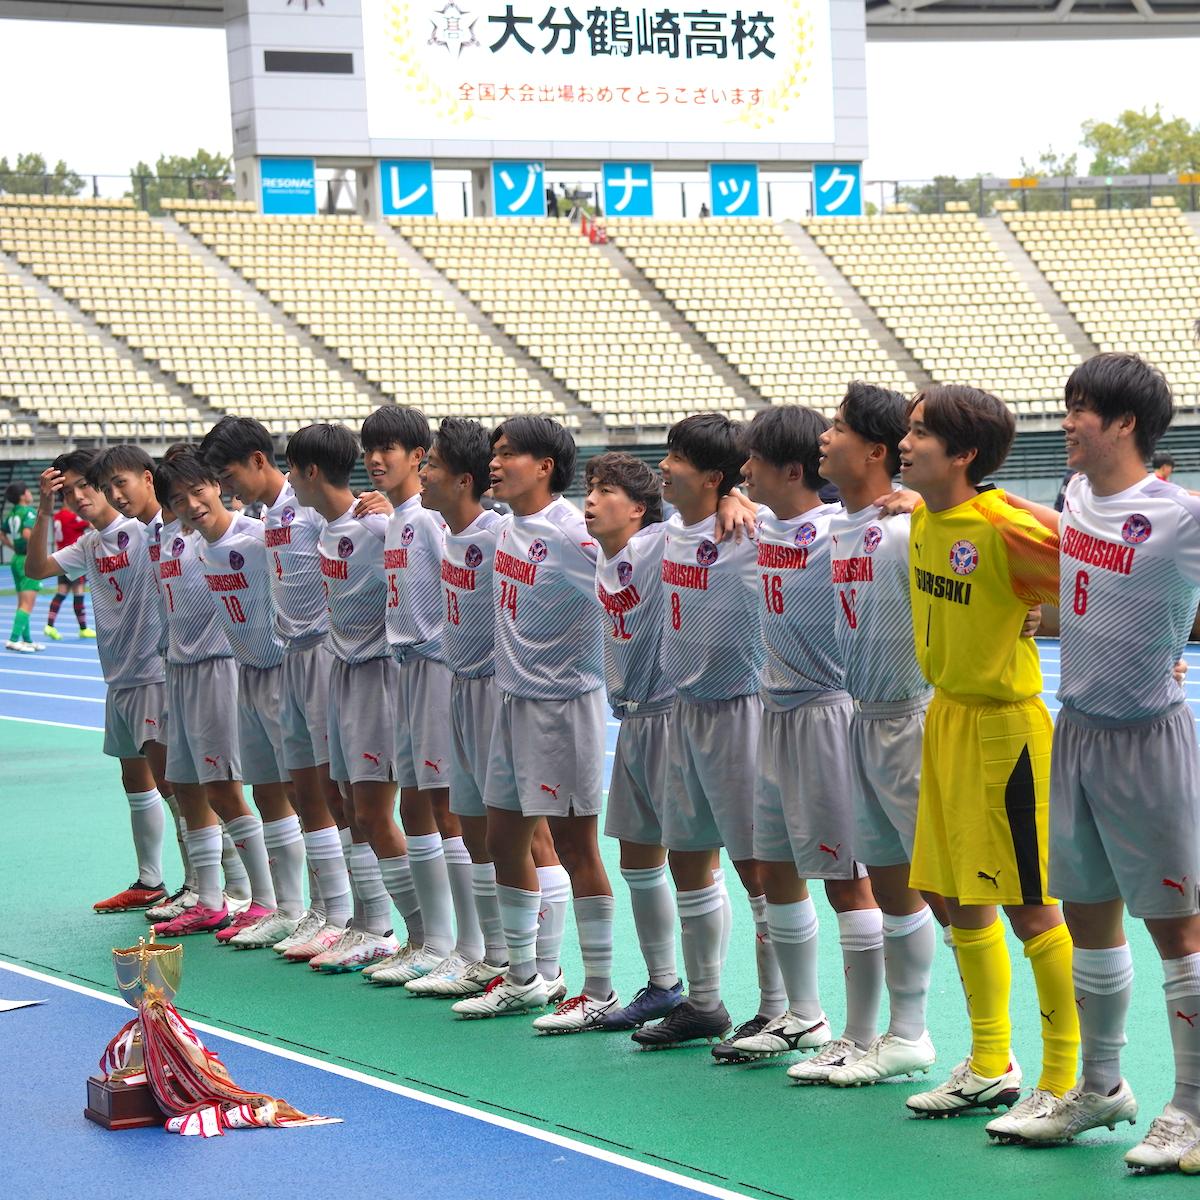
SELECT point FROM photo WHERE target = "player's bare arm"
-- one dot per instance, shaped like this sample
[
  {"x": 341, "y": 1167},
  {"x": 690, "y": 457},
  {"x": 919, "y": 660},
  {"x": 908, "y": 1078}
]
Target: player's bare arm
[{"x": 39, "y": 564}]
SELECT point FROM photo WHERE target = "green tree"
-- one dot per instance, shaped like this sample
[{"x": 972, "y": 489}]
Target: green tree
[
  {"x": 932, "y": 197},
  {"x": 30, "y": 174},
  {"x": 1143, "y": 143},
  {"x": 1050, "y": 163},
  {"x": 178, "y": 177}
]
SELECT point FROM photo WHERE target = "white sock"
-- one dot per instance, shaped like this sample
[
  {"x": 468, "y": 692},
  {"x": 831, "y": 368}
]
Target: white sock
[
  {"x": 1182, "y": 988},
  {"x": 556, "y": 891},
  {"x": 483, "y": 884},
  {"x": 284, "y": 841},
  {"x": 860, "y": 933},
  {"x": 398, "y": 883},
  {"x": 908, "y": 948},
  {"x": 1104, "y": 981},
  {"x": 327, "y": 861},
  {"x": 772, "y": 996},
  {"x": 654, "y": 918},
  {"x": 366, "y": 882},
  {"x": 432, "y": 882},
  {"x": 358, "y": 912},
  {"x": 727, "y": 918},
  {"x": 793, "y": 929},
  {"x": 246, "y": 833},
  {"x": 189, "y": 878},
  {"x": 237, "y": 882},
  {"x": 702, "y": 915},
  {"x": 469, "y": 941},
  {"x": 316, "y": 905},
  {"x": 519, "y": 914},
  {"x": 204, "y": 853},
  {"x": 594, "y": 922},
  {"x": 146, "y": 818}
]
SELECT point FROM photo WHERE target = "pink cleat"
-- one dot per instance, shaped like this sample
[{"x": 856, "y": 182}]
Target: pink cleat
[
  {"x": 196, "y": 919},
  {"x": 244, "y": 920}
]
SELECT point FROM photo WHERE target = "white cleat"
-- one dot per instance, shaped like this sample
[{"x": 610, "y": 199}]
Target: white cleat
[
  {"x": 577, "y": 1015},
  {"x": 306, "y": 928},
  {"x": 1043, "y": 1118},
  {"x": 887, "y": 1057},
  {"x": 354, "y": 950},
  {"x": 1173, "y": 1133},
  {"x": 784, "y": 1034},
  {"x": 965, "y": 1090},
  {"x": 455, "y": 976},
  {"x": 324, "y": 939},
  {"x": 405, "y": 951},
  {"x": 413, "y": 966},
  {"x": 556, "y": 988},
  {"x": 20, "y": 647},
  {"x": 266, "y": 931},
  {"x": 173, "y": 906},
  {"x": 237, "y": 904},
  {"x": 830, "y": 1057},
  {"x": 503, "y": 999}
]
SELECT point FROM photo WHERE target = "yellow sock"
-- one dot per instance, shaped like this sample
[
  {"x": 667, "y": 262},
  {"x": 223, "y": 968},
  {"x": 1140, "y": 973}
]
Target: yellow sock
[
  {"x": 1049, "y": 955},
  {"x": 987, "y": 979}
]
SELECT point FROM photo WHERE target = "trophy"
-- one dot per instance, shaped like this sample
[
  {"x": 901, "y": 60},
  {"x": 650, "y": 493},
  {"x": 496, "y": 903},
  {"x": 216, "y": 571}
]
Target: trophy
[{"x": 121, "y": 1098}]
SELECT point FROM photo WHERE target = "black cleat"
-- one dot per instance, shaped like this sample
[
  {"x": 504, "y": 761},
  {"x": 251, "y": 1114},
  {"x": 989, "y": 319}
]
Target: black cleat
[
  {"x": 684, "y": 1024},
  {"x": 726, "y": 1053}
]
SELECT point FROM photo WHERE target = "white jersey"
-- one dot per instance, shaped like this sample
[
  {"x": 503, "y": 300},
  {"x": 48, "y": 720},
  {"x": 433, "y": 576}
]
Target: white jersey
[
  {"x": 468, "y": 636},
  {"x": 873, "y": 611},
  {"x": 629, "y": 586},
  {"x": 712, "y": 633},
  {"x": 355, "y": 586},
  {"x": 1130, "y": 580},
  {"x": 293, "y": 534},
  {"x": 194, "y": 632},
  {"x": 154, "y": 528},
  {"x": 124, "y": 599},
  {"x": 796, "y": 605},
  {"x": 548, "y": 624},
  {"x": 412, "y": 557},
  {"x": 239, "y": 581}
]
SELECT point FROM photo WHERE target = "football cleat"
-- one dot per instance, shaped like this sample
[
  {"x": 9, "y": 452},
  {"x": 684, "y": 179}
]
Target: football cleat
[
  {"x": 1043, "y": 1118},
  {"x": 88, "y": 635},
  {"x": 306, "y": 927},
  {"x": 266, "y": 931},
  {"x": 243, "y": 920},
  {"x": 170, "y": 907},
  {"x": 196, "y": 919},
  {"x": 52, "y": 633},
  {"x": 684, "y": 1023},
  {"x": 503, "y": 998},
  {"x": 455, "y": 976},
  {"x": 780, "y": 1036},
  {"x": 19, "y": 647},
  {"x": 965, "y": 1090},
  {"x": 410, "y": 966},
  {"x": 324, "y": 939},
  {"x": 404, "y": 952},
  {"x": 136, "y": 896},
  {"x": 355, "y": 949},
  {"x": 887, "y": 1057},
  {"x": 829, "y": 1058},
  {"x": 1172, "y": 1135},
  {"x": 577, "y": 1015},
  {"x": 649, "y": 1004}
]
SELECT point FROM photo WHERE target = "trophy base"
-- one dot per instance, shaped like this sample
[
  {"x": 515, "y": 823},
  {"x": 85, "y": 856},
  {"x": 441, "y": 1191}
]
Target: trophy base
[{"x": 115, "y": 1104}]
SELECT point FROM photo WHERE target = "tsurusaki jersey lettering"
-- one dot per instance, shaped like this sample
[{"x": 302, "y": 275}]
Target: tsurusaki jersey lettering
[
  {"x": 293, "y": 534},
  {"x": 412, "y": 558},
  {"x": 468, "y": 636},
  {"x": 355, "y": 586},
  {"x": 194, "y": 630}
]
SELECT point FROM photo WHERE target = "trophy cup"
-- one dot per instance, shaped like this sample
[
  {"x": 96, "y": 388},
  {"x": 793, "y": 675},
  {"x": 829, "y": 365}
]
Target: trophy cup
[{"x": 121, "y": 1097}]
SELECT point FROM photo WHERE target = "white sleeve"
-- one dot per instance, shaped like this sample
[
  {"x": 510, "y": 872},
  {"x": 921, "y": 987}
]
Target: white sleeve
[
  {"x": 72, "y": 560},
  {"x": 1187, "y": 539}
]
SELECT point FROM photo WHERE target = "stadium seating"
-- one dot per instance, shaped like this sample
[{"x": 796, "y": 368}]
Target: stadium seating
[
  {"x": 564, "y": 302},
  {"x": 750, "y": 291},
  {"x": 1130, "y": 277},
  {"x": 947, "y": 292},
  {"x": 342, "y": 281}
]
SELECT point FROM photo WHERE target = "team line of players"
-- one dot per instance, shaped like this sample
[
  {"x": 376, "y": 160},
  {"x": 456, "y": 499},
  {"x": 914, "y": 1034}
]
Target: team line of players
[{"x": 771, "y": 659}]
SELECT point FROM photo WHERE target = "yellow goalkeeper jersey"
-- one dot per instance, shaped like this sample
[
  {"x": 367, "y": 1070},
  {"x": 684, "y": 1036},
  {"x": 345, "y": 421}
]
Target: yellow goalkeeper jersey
[{"x": 977, "y": 569}]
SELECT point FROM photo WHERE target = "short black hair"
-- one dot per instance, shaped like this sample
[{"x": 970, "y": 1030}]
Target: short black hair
[
  {"x": 79, "y": 461},
  {"x": 184, "y": 469},
  {"x": 633, "y": 477},
  {"x": 1162, "y": 459},
  {"x": 788, "y": 433},
  {"x": 235, "y": 439},
  {"x": 332, "y": 449},
  {"x": 396, "y": 425},
  {"x": 15, "y": 491},
  {"x": 878, "y": 415},
  {"x": 968, "y": 418},
  {"x": 710, "y": 441},
  {"x": 543, "y": 437},
  {"x": 1118, "y": 384},
  {"x": 464, "y": 448},
  {"x": 124, "y": 456}
]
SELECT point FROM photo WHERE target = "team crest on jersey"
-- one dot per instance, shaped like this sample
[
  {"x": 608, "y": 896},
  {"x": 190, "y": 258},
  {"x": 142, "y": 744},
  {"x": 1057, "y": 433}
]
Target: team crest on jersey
[
  {"x": 706, "y": 553},
  {"x": 406, "y": 535},
  {"x": 122, "y": 540},
  {"x": 345, "y": 547},
  {"x": 806, "y": 534},
  {"x": 473, "y": 556},
  {"x": 1136, "y": 529},
  {"x": 538, "y": 550},
  {"x": 624, "y": 573},
  {"x": 964, "y": 558},
  {"x": 236, "y": 561},
  {"x": 871, "y": 539},
  {"x": 287, "y": 516},
  {"x": 178, "y": 546}
]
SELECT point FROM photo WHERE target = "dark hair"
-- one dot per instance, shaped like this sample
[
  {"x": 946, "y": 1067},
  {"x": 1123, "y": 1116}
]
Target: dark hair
[
  {"x": 543, "y": 437},
  {"x": 787, "y": 433},
  {"x": 14, "y": 492},
  {"x": 79, "y": 461},
  {"x": 122, "y": 457},
  {"x": 396, "y": 425},
  {"x": 332, "y": 449},
  {"x": 877, "y": 415},
  {"x": 1161, "y": 459},
  {"x": 710, "y": 441},
  {"x": 1115, "y": 385},
  {"x": 966, "y": 418},
  {"x": 235, "y": 439},
  {"x": 183, "y": 469},
  {"x": 466, "y": 450},
  {"x": 633, "y": 477}
]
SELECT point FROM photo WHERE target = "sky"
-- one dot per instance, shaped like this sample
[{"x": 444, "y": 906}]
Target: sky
[{"x": 958, "y": 108}]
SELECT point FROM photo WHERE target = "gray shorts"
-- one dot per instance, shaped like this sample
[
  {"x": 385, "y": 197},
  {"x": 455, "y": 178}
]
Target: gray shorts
[
  {"x": 713, "y": 748},
  {"x": 423, "y": 724},
  {"x": 304, "y": 706},
  {"x": 161, "y": 735},
  {"x": 547, "y": 756},
  {"x": 259, "y": 735},
  {"x": 472, "y": 715},
  {"x": 638, "y": 786},
  {"x": 362, "y": 720},
  {"x": 1125, "y": 813},
  {"x": 131, "y": 718},
  {"x": 803, "y": 811},
  {"x": 885, "y": 760},
  {"x": 202, "y": 745}
]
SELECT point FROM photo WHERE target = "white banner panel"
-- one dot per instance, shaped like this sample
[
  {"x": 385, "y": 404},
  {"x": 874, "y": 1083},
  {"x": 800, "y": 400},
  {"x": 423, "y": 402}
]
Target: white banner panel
[{"x": 743, "y": 72}]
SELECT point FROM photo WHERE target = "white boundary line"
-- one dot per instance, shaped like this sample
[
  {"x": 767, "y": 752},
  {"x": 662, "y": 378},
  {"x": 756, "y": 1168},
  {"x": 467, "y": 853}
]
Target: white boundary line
[
  {"x": 51, "y": 696},
  {"x": 56, "y": 724},
  {"x": 555, "y": 1139},
  {"x": 52, "y": 675}
]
